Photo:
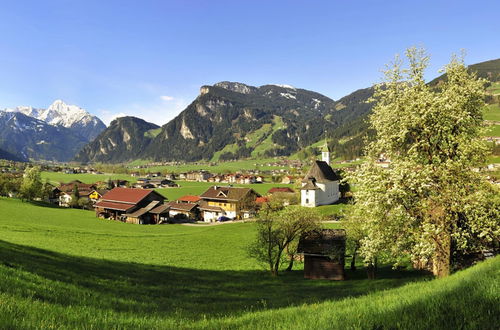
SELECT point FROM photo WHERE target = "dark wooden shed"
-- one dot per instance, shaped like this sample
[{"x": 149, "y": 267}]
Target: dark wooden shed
[{"x": 324, "y": 254}]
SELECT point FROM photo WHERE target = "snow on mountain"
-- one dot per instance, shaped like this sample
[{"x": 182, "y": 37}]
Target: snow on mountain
[{"x": 70, "y": 116}]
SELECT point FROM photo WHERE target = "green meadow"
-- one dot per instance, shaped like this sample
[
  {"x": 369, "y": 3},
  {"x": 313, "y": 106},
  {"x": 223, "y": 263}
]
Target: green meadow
[{"x": 64, "y": 268}]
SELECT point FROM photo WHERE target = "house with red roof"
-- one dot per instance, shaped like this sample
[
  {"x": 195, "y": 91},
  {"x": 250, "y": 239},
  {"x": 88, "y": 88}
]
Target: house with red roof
[
  {"x": 189, "y": 199},
  {"x": 132, "y": 205},
  {"x": 285, "y": 190}
]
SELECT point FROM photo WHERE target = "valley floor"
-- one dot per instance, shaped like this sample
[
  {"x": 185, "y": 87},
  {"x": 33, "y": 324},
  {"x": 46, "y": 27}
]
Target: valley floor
[{"x": 66, "y": 268}]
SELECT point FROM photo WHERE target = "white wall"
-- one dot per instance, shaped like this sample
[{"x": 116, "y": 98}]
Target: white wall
[
  {"x": 308, "y": 198},
  {"x": 328, "y": 193}
]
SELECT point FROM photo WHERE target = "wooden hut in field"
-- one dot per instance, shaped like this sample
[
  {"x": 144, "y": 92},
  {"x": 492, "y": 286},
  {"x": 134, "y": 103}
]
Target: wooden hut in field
[{"x": 324, "y": 254}]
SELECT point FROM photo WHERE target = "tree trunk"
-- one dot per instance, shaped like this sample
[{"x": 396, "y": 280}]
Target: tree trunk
[
  {"x": 442, "y": 256},
  {"x": 290, "y": 264},
  {"x": 353, "y": 260}
]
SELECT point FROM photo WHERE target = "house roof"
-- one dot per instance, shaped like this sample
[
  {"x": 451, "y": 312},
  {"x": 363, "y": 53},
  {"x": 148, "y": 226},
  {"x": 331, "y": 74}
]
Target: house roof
[
  {"x": 320, "y": 171},
  {"x": 280, "y": 189},
  {"x": 226, "y": 193},
  {"x": 114, "y": 206},
  {"x": 188, "y": 207},
  {"x": 143, "y": 210},
  {"x": 127, "y": 195},
  {"x": 310, "y": 185},
  {"x": 261, "y": 200},
  {"x": 189, "y": 198},
  {"x": 322, "y": 242},
  {"x": 69, "y": 187},
  {"x": 160, "y": 209}
]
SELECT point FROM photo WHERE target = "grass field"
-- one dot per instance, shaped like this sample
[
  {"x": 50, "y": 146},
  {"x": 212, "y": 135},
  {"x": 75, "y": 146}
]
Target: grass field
[
  {"x": 492, "y": 112},
  {"x": 492, "y": 130},
  {"x": 65, "y": 268},
  {"x": 58, "y": 177}
]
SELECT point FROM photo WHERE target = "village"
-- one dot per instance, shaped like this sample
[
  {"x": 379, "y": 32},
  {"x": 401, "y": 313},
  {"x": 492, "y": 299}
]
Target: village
[{"x": 139, "y": 203}]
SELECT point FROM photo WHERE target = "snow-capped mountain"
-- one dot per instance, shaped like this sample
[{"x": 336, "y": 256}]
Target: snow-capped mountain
[
  {"x": 26, "y": 137},
  {"x": 70, "y": 116}
]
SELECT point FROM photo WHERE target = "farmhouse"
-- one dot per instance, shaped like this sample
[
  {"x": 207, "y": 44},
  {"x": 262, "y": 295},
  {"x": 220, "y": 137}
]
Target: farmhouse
[
  {"x": 231, "y": 202},
  {"x": 320, "y": 186},
  {"x": 183, "y": 210},
  {"x": 65, "y": 192},
  {"x": 131, "y": 205},
  {"x": 324, "y": 253}
]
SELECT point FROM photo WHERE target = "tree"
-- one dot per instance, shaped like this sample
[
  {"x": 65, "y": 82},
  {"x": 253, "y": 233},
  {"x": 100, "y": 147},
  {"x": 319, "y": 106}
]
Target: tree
[
  {"x": 277, "y": 230},
  {"x": 31, "y": 186},
  {"x": 429, "y": 204},
  {"x": 84, "y": 203},
  {"x": 75, "y": 196},
  {"x": 46, "y": 191}
]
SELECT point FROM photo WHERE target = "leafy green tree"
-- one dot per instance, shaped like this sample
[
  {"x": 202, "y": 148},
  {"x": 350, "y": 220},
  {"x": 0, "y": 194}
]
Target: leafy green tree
[
  {"x": 31, "y": 186},
  {"x": 84, "y": 203},
  {"x": 429, "y": 204},
  {"x": 46, "y": 190},
  {"x": 75, "y": 196},
  {"x": 279, "y": 229}
]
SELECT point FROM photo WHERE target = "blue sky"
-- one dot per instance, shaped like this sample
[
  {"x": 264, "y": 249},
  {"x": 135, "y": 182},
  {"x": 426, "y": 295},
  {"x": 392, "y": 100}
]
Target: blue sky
[{"x": 149, "y": 58}]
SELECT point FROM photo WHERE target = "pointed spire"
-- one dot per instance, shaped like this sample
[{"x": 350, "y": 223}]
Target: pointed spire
[{"x": 325, "y": 152}]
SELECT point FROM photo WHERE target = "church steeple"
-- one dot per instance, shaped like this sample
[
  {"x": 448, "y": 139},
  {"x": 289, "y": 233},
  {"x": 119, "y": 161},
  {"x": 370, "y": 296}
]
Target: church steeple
[{"x": 325, "y": 153}]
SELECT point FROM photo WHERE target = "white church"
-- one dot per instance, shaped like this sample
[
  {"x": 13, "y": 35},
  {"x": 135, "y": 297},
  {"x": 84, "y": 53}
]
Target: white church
[{"x": 320, "y": 186}]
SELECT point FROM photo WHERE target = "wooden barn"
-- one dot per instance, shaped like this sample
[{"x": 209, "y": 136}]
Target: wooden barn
[
  {"x": 131, "y": 205},
  {"x": 324, "y": 254}
]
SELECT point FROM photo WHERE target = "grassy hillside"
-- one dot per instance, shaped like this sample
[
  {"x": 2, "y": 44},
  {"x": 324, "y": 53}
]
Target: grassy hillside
[{"x": 65, "y": 268}]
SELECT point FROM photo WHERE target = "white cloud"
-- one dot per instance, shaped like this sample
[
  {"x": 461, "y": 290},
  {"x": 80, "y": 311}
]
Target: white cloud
[
  {"x": 158, "y": 112},
  {"x": 108, "y": 116},
  {"x": 166, "y": 98}
]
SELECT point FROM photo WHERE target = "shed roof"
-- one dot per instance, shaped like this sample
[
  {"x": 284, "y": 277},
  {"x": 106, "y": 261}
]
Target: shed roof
[
  {"x": 322, "y": 242},
  {"x": 188, "y": 207},
  {"x": 143, "y": 210},
  {"x": 160, "y": 209}
]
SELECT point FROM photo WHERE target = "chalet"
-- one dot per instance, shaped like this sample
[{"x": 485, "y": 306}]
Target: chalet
[
  {"x": 200, "y": 176},
  {"x": 287, "y": 179},
  {"x": 141, "y": 181},
  {"x": 140, "y": 206},
  {"x": 65, "y": 192},
  {"x": 231, "y": 202},
  {"x": 170, "y": 176},
  {"x": 320, "y": 186},
  {"x": 145, "y": 186},
  {"x": 154, "y": 174},
  {"x": 117, "y": 183},
  {"x": 188, "y": 211},
  {"x": 324, "y": 254},
  {"x": 162, "y": 183}
]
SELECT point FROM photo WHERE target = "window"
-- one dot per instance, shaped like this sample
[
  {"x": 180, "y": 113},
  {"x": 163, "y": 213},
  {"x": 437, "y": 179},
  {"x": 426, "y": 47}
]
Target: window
[{"x": 307, "y": 200}]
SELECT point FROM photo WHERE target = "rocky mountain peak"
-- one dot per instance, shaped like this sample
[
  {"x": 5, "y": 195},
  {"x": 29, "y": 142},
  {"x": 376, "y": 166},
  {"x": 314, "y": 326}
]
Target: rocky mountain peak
[{"x": 236, "y": 87}]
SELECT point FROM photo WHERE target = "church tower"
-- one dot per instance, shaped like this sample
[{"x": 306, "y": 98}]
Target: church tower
[{"x": 325, "y": 153}]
